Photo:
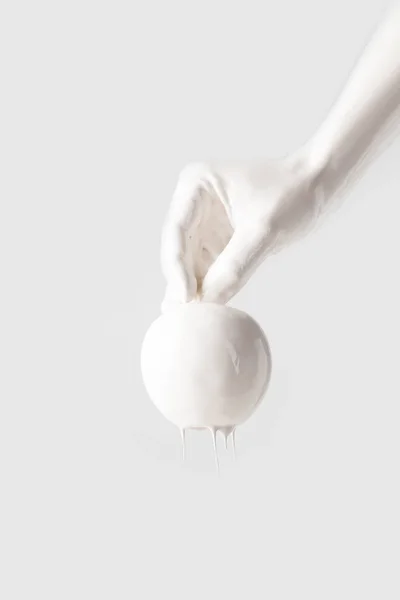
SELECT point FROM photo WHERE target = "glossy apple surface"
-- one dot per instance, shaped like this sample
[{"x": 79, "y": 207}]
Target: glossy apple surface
[{"x": 205, "y": 365}]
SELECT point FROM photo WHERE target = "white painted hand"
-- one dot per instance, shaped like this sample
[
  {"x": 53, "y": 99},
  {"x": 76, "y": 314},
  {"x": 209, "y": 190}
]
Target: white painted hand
[{"x": 224, "y": 220}]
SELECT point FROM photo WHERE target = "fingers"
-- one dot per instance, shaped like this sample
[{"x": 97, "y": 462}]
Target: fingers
[
  {"x": 244, "y": 253},
  {"x": 177, "y": 262},
  {"x": 181, "y": 283},
  {"x": 176, "y": 259}
]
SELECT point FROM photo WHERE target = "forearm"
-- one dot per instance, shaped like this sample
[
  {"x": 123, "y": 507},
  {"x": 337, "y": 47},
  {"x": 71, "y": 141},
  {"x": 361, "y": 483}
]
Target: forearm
[{"x": 370, "y": 99}]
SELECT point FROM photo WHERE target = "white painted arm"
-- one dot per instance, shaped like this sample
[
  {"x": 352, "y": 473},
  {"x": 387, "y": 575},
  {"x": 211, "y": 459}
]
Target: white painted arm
[
  {"x": 225, "y": 219},
  {"x": 369, "y": 100}
]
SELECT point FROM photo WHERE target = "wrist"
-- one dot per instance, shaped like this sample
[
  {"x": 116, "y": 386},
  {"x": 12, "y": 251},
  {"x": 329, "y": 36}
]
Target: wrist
[{"x": 318, "y": 165}]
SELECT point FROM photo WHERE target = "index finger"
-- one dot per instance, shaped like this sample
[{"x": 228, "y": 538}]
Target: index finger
[{"x": 176, "y": 259}]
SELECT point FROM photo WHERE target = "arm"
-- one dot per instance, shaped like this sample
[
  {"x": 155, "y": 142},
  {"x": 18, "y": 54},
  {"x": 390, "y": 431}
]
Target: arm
[
  {"x": 224, "y": 220},
  {"x": 367, "y": 104}
]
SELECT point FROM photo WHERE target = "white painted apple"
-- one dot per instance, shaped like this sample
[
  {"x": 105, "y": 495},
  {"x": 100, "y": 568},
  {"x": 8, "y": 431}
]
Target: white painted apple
[{"x": 205, "y": 365}]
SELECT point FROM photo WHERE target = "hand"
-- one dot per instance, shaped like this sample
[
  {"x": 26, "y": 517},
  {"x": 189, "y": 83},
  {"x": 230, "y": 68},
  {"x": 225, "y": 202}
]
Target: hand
[{"x": 225, "y": 219}]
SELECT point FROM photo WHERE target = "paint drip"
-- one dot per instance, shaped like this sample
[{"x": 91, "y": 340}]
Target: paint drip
[
  {"x": 226, "y": 431},
  {"x": 183, "y": 438}
]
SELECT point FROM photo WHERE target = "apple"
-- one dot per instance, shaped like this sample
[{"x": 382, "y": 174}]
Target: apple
[{"x": 206, "y": 365}]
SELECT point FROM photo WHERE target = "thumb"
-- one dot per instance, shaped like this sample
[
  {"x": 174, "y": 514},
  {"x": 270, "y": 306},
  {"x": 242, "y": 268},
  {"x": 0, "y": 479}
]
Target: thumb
[{"x": 245, "y": 251}]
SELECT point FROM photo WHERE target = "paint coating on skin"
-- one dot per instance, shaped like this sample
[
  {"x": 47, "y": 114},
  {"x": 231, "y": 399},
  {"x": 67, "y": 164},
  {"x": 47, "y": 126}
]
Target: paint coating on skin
[{"x": 227, "y": 217}]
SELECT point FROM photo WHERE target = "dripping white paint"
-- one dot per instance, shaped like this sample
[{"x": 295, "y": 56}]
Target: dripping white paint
[
  {"x": 227, "y": 432},
  {"x": 206, "y": 366}
]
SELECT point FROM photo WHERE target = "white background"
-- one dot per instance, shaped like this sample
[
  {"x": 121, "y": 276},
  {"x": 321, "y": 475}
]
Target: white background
[{"x": 102, "y": 104}]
